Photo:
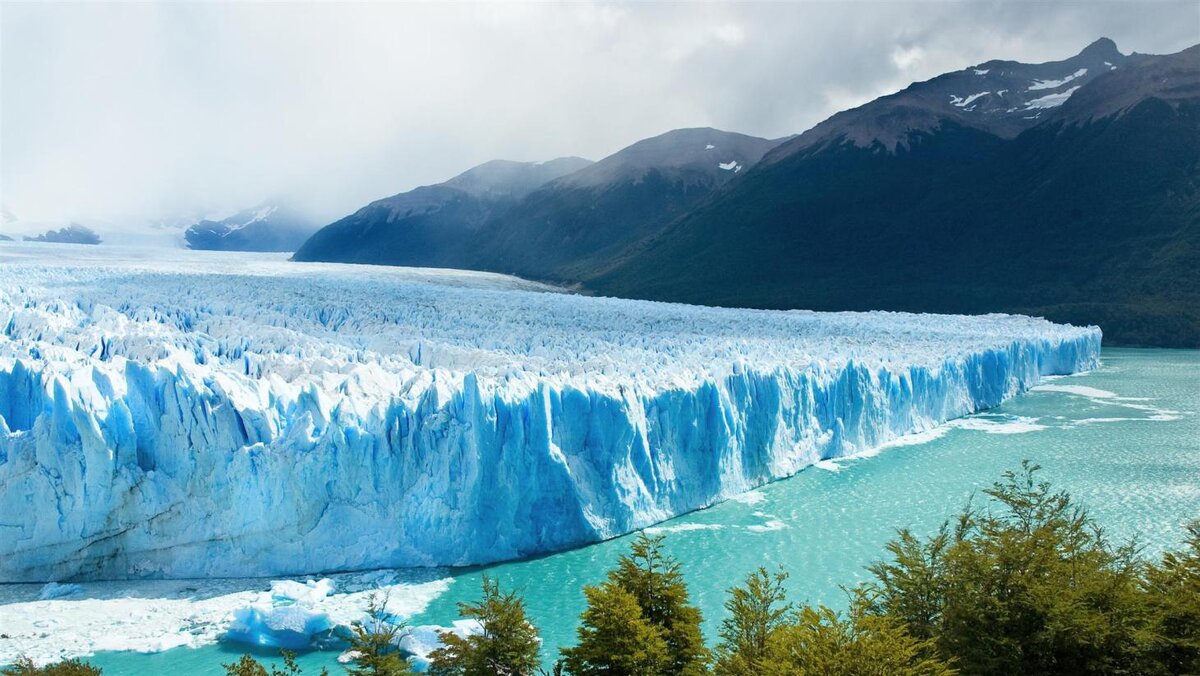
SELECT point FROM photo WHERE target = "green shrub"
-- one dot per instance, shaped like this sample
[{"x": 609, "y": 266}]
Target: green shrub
[
  {"x": 1028, "y": 585},
  {"x": 507, "y": 644},
  {"x": 620, "y": 637},
  {"x": 26, "y": 667}
]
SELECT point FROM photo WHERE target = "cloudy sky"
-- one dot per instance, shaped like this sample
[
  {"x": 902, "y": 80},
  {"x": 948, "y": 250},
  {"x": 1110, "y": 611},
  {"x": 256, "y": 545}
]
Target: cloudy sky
[{"x": 126, "y": 112}]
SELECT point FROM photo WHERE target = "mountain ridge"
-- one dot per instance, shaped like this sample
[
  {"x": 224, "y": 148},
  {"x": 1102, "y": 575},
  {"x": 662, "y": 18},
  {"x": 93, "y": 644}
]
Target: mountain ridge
[
  {"x": 270, "y": 226},
  {"x": 1001, "y": 187},
  {"x": 1080, "y": 218}
]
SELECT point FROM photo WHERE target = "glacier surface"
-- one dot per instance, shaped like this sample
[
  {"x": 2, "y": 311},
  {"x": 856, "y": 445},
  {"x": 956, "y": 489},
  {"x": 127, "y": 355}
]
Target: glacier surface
[{"x": 202, "y": 414}]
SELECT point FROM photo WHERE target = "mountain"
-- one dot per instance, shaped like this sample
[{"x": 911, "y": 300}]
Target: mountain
[
  {"x": 267, "y": 227},
  {"x": 941, "y": 199},
  {"x": 1002, "y": 98},
  {"x": 434, "y": 225},
  {"x": 544, "y": 221},
  {"x": 594, "y": 213},
  {"x": 72, "y": 234}
]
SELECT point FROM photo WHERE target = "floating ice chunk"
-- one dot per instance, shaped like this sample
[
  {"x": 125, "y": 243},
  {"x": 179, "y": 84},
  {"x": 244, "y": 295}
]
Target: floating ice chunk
[
  {"x": 301, "y": 592},
  {"x": 730, "y": 165},
  {"x": 292, "y": 627},
  {"x": 827, "y": 465},
  {"x": 770, "y": 525},
  {"x": 422, "y": 640},
  {"x": 709, "y": 147},
  {"x": 348, "y": 656},
  {"x": 54, "y": 590}
]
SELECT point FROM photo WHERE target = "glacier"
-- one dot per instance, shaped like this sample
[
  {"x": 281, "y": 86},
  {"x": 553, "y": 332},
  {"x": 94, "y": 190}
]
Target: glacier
[{"x": 176, "y": 414}]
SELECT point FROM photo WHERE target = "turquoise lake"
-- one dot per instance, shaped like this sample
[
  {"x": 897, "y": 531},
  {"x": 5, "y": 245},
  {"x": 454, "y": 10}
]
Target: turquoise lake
[{"x": 1123, "y": 440}]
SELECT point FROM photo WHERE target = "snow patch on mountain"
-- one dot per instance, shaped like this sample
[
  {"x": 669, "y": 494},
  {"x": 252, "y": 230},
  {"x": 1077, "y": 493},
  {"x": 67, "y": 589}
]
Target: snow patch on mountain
[
  {"x": 964, "y": 102},
  {"x": 1050, "y": 100},
  {"x": 1055, "y": 84}
]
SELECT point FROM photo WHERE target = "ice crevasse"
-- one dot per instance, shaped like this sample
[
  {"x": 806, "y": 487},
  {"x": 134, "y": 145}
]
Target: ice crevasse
[{"x": 188, "y": 415}]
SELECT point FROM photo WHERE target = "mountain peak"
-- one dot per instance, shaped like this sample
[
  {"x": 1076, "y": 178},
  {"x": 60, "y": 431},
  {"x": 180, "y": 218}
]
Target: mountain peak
[
  {"x": 999, "y": 97},
  {"x": 499, "y": 178},
  {"x": 1104, "y": 48},
  {"x": 692, "y": 152}
]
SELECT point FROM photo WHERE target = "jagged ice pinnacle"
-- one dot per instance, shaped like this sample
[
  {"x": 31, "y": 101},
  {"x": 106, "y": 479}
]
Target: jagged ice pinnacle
[{"x": 193, "y": 414}]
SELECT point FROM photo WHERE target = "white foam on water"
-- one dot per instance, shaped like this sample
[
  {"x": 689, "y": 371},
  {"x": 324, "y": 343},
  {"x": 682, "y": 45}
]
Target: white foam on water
[
  {"x": 749, "y": 497},
  {"x": 682, "y": 528}
]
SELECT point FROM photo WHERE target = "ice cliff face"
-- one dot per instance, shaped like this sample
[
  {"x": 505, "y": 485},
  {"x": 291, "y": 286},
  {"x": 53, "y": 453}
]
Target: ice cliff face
[{"x": 234, "y": 414}]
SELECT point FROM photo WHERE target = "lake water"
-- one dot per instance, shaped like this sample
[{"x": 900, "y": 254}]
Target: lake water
[{"x": 1124, "y": 440}]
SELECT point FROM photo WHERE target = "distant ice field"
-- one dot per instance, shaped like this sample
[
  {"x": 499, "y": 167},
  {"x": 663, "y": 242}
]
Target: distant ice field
[{"x": 191, "y": 414}]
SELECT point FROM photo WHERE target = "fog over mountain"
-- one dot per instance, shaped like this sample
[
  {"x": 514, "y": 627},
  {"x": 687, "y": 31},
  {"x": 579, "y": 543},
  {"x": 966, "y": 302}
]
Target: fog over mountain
[{"x": 133, "y": 113}]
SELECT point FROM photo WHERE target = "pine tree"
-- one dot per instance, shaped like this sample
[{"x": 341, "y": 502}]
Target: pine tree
[
  {"x": 756, "y": 610},
  {"x": 25, "y": 667},
  {"x": 1028, "y": 585},
  {"x": 248, "y": 666},
  {"x": 1172, "y": 639},
  {"x": 615, "y": 638},
  {"x": 507, "y": 644},
  {"x": 373, "y": 643},
  {"x": 654, "y": 581},
  {"x": 819, "y": 642}
]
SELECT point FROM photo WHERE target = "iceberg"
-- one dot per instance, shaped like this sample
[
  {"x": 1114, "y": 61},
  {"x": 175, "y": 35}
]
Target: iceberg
[
  {"x": 286, "y": 627},
  {"x": 419, "y": 642},
  {"x": 198, "y": 414}
]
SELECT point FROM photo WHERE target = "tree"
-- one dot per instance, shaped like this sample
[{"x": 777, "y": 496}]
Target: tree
[
  {"x": 248, "y": 666},
  {"x": 654, "y": 579},
  {"x": 818, "y": 642},
  {"x": 756, "y": 610},
  {"x": 245, "y": 666},
  {"x": 1172, "y": 639},
  {"x": 507, "y": 644},
  {"x": 373, "y": 643},
  {"x": 615, "y": 638},
  {"x": 25, "y": 667},
  {"x": 1029, "y": 585}
]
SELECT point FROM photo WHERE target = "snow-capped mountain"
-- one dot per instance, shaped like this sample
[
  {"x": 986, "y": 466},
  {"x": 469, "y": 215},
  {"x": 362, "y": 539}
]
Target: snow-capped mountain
[
  {"x": 1002, "y": 98},
  {"x": 566, "y": 219},
  {"x": 1065, "y": 190},
  {"x": 267, "y": 227}
]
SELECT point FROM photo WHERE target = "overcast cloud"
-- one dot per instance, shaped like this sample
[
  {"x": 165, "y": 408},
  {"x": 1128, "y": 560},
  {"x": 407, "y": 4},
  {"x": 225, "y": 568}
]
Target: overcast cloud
[{"x": 123, "y": 112}]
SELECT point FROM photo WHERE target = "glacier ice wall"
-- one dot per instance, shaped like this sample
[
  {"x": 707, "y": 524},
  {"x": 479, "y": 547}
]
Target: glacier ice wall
[{"x": 194, "y": 414}]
